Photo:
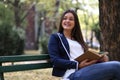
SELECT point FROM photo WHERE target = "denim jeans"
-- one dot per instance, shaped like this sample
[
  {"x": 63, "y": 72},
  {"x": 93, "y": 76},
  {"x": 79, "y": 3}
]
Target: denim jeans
[{"x": 100, "y": 71}]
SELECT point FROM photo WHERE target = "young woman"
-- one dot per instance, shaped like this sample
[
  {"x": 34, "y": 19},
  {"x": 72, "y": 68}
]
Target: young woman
[{"x": 68, "y": 44}]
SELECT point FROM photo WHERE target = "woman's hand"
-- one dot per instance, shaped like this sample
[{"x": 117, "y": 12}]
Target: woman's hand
[
  {"x": 104, "y": 58},
  {"x": 86, "y": 62}
]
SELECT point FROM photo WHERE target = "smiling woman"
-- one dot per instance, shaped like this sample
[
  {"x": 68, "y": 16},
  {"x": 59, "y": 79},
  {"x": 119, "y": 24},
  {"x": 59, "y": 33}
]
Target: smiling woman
[{"x": 68, "y": 44}]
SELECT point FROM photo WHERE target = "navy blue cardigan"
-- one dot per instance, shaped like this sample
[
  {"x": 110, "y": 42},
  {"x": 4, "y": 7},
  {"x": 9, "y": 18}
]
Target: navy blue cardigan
[{"x": 58, "y": 55}]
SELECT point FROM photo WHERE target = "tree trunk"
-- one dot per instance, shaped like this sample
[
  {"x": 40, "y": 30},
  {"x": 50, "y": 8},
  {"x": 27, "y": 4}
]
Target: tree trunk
[
  {"x": 30, "y": 42},
  {"x": 17, "y": 13},
  {"x": 110, "y": 27},
  {"x": 57, "y": 4}
]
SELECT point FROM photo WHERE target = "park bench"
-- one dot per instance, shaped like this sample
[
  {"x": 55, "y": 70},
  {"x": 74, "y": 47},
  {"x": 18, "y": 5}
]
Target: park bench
[{"x": 23, "y": 62}]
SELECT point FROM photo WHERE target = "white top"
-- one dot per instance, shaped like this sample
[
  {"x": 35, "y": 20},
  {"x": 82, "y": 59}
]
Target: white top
[{"x": 75, "y": 51}]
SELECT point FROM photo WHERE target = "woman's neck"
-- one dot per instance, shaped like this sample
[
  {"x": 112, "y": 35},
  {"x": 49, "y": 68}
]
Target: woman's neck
[{"x": 67, "y": 34}]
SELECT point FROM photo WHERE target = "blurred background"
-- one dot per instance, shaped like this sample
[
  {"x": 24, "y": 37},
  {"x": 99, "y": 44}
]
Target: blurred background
[{"x": 25, "y": 25}]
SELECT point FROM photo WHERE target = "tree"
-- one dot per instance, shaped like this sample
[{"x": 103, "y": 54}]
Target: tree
[
  {"x": 110, "y": 27},
  {"x": 15, "y": 6},
  {"x": 11, "y": 40}
]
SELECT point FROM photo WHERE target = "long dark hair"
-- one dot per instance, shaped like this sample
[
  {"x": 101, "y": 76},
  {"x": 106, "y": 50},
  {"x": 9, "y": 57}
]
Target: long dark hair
[{"x": 76, "y": 32}]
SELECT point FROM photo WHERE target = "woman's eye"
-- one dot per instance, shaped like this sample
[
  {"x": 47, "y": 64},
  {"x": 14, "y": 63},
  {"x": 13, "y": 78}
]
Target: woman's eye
[{"x": 71, "y": 19}]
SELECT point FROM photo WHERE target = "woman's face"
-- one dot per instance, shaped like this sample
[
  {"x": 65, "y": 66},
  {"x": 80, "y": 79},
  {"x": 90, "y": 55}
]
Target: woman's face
[{"x": 68, "y": 22}]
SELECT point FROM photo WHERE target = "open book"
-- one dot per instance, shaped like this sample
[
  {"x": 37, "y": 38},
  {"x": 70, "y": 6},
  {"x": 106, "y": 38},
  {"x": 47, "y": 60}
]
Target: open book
[{"x": 90, "y": 55}]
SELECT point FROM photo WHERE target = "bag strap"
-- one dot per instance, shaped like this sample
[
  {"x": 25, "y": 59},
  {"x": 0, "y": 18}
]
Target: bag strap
[{"x": 63, "y": 45}]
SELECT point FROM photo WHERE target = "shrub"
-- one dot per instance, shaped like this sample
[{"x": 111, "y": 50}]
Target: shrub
[
  {"x": 44, "y": 44},
  {"x": 11, "y": 42}
]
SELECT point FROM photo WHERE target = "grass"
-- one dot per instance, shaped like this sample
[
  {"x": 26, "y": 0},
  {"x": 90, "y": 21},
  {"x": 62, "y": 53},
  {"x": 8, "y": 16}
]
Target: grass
[{"x": 41, "y": 74}]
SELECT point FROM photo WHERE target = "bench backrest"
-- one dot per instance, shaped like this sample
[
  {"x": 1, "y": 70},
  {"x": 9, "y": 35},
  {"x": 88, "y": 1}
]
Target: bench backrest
[{"x": 24, "y": 62}]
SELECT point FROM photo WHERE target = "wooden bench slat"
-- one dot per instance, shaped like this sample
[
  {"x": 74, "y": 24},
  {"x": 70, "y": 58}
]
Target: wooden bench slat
[
  {"x": 13, "y": 68},
  {"x": 23, "y": 58}
]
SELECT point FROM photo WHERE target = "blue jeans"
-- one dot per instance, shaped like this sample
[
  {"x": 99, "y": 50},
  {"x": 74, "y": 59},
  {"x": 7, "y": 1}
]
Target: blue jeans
[{"x": 100, "y": 71}]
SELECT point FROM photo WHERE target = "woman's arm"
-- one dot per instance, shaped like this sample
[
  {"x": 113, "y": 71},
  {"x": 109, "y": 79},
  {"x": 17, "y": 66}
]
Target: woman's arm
[{"x": 57, "y": 59}]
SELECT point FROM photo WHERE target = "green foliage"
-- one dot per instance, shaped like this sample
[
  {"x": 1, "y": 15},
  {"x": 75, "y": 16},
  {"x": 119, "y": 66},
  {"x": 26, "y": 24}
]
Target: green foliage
[
  {"x": 10, "y": 41},
  {"x": 6, "y": 15},
  {"x": 44, "y": 44}
]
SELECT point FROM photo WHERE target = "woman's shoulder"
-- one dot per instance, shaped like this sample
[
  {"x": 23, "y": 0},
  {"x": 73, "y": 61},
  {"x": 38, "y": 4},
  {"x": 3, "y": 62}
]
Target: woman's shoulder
[
  {"x": 53, "y": 38},
  {"x": 53, "y": 34},
  {"x": 56, "y": 34}
]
